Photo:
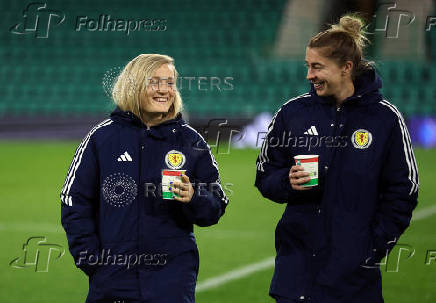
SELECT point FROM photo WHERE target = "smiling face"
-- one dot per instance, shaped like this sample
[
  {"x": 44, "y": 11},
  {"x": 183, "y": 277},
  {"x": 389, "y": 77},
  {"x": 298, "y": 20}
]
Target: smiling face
[
  {"x": 328, "y": 78},
  {"x": 161, "y": 90}
]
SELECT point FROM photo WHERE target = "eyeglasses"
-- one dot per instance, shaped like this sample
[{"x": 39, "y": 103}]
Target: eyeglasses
[{"x": 161, "y": 84}]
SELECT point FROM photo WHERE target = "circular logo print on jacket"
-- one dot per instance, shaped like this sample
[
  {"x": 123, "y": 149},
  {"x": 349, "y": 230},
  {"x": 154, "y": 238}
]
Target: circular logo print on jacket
[
  {"x": 361, "y": 138},
  {"x": 175, "y": 159},
  {"x": 119, "y": 189}
]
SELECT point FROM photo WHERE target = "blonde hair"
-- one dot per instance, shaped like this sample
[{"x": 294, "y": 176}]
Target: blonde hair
[
  {"x": 131, "y": 84},
  {"x": 344, "y": 42}
]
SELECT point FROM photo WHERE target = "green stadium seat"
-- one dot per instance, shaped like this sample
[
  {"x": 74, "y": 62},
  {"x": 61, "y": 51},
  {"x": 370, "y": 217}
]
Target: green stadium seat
[{"x": 225, "y": 38}]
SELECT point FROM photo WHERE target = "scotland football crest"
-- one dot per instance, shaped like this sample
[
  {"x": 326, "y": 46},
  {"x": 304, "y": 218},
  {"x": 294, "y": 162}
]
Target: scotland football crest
[
  {"x": 361, "y": 138},
  {"x": 175, "y": 159}
]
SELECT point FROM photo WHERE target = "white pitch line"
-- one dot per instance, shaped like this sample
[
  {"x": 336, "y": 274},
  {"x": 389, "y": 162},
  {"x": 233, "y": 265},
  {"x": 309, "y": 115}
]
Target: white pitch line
[
  {"x": 235, "y": 274},
  {"x": 208, "y": 283},
  {"x": 269, "y": 262},
  {"x": 31, "y": 227},
  {"x": 424, "y": 213}
]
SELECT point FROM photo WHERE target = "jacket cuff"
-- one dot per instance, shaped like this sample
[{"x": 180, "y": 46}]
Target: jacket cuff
[
  {"x": 203, "y": 209},
  {"x": 195, "y": 200}
]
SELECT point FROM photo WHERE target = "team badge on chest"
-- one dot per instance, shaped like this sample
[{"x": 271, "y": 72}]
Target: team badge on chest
[
  {"x": 175, "y": 159},
  {"x": 361, "y": 138}
]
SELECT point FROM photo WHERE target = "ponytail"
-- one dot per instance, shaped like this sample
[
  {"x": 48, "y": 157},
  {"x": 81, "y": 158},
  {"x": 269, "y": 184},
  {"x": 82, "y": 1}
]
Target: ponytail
[{"x": 344, "y": 42}]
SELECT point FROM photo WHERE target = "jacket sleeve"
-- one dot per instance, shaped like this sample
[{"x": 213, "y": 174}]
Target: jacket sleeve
[
  {"x": 274, "y": 163},
  {"x": 398, "y": 191},
  {"x": 79, "y": 200},
  {"x": 209, "y": 201}
]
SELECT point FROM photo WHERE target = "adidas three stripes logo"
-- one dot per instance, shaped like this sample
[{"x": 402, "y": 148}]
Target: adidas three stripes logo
[
  {"x": 311, "y": 131},
  {"x": 125, "y": 157}
]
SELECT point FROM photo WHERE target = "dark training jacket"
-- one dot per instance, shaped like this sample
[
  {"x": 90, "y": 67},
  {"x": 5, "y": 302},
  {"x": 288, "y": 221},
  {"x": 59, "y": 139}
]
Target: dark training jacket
[
  {"x": 331, "y": 238},
  {"x": 134, "y": 245}
]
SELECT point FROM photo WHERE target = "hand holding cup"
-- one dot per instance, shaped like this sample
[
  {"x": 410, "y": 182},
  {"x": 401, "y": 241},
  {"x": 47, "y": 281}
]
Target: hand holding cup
[
  {"x": 298, "y": 176},
  {"x": 304, "y": 175}
]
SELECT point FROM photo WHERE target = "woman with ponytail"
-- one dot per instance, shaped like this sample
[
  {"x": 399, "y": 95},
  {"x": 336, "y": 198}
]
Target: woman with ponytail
[{"x": 334, "y": 233}]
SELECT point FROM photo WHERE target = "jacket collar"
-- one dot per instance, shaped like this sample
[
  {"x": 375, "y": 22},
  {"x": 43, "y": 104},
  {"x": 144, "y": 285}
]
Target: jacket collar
[
  {"x": 366, "y": 89},
  {"x": 161, "y": 130}
]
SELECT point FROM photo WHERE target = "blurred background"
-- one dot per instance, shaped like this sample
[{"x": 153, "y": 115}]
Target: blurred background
[{"x": 238, "y": 62}]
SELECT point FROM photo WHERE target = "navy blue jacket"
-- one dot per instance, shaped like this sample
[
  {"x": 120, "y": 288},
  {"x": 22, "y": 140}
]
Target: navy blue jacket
[
  {"x": 113, "y": 212},
  {"x": 330, "y": 238}
]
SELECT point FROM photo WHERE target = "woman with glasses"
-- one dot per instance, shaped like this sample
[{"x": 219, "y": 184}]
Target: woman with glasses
[{"x": 138, "y": 183}]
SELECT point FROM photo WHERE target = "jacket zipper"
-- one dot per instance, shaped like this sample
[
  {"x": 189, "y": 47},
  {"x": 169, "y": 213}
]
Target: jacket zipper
[{"x": 335, "y": 133}]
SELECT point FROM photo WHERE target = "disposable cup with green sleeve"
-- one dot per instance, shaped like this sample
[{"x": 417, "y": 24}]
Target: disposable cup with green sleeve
[{"x": 310, "y": 165}]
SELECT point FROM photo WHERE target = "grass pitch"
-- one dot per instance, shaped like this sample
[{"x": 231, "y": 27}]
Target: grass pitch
[{"x": 32, "y": 174}]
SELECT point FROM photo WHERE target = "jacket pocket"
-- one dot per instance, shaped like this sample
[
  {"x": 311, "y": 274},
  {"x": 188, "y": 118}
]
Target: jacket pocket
[
  {"x": 291, "y": 275},
  {"x": 303, "y": 225},
  {"x": 114, "y": 281},
  {"x": 369, "y": 257}
]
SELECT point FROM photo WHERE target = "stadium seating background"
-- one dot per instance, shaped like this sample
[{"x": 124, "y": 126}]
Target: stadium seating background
[{"x": 62, "y": 75}]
